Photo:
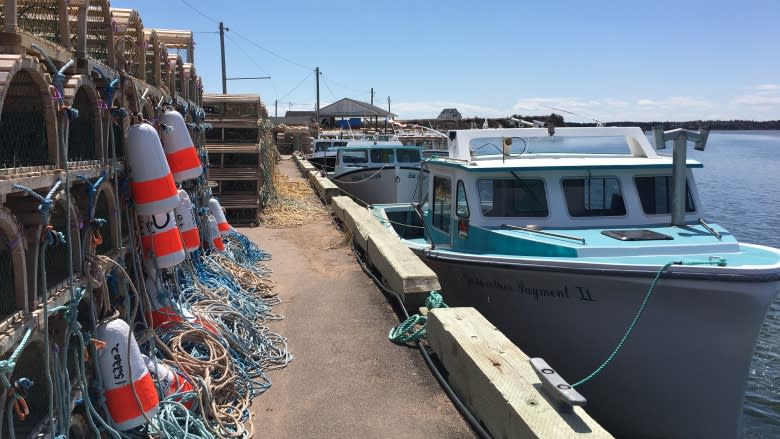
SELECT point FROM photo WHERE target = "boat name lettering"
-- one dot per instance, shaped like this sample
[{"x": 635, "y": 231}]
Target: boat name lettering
[{"x": 536, "y": 292}]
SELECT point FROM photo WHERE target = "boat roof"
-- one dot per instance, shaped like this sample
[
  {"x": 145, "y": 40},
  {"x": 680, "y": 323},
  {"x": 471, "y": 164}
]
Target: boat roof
[{"x": 638, "y": 153}]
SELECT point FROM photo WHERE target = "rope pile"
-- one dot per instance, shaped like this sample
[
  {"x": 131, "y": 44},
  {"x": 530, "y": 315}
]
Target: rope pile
[{"x": 294, "y": 205}]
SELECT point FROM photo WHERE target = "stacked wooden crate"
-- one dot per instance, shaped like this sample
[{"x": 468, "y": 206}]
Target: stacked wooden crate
[{"x": 235, "y": 145}]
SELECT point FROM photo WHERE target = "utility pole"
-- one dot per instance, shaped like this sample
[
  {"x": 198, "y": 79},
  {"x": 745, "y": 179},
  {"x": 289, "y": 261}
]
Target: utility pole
[
  {"x": 388, "y": 105},
  {"x": 276, "y": 107},
  {"x": 222, "y": 30},
  {"x": 317, "y": 109},
  {"x": 372, "y": 95}
]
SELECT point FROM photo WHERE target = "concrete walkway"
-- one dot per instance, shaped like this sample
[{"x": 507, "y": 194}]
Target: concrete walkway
[{"x": 347, "y": 379}]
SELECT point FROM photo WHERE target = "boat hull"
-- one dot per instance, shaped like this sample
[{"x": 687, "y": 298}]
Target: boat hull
[
  {"x": 381, "y": 185},
  {"x": 681, "y": 373}
]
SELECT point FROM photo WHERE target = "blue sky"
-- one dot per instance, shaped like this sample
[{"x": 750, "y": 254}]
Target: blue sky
[{"x": 609, "y": 60}]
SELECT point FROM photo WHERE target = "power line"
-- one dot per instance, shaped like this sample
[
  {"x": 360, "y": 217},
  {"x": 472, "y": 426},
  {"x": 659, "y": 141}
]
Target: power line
[
  {"x": 252, "y": 42},
  {"x": 199, "y": 11},
  {"x": 276, "y": 92},
  {"x": 328, "y": 87},
  {"x": 299, "y": 84}
]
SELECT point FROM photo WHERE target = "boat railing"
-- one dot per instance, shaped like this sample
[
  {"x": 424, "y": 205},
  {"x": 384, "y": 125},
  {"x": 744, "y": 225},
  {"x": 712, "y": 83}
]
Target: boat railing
[{"x": 542, "y": 232}]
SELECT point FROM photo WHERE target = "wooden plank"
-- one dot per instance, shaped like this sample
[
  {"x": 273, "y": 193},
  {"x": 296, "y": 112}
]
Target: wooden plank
[
  {"x": 325, "y": 188},
  {"x": 496, "y": 381},
  {"x": 401, "y": 269}
]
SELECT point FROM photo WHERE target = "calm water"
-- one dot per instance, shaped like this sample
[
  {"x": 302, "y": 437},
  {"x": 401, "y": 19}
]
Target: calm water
[{"x": 740, "y": 186}]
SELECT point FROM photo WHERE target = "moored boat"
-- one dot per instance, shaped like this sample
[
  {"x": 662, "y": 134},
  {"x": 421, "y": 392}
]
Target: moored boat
[
  {"x": 375, "y": 172},
  {"x": 598, "y": 261}
]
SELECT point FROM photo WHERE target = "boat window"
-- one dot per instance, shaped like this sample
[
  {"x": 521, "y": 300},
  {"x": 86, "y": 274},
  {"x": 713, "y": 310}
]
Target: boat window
[
  {"x": 382, "y": 156},
  {"x": 655, "y": 193},
  {"x": 504, "y": 197},
  {"x": 461, "y": 202},
  {"x": 408, "y": 155},
  {"x": 322, "y": 146},
  {"x": 595, "y": 196},
  {"x": 354, "y": 156},
  {"x": 442, "y": 203}
]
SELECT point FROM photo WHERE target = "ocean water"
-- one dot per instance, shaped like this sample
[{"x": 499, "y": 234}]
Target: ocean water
[{"x": 740, "y": 188}]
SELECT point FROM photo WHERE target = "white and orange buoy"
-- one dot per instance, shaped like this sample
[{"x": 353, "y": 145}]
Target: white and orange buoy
[
  {"x": 185, "y": 220},
  {"x": 160, "y": 239},
  {"x": 160, "y": 296},
  {"x": 151, "y": 184},
  {"x": 179, "y": 147},
  {"x": 219, "y": 215},
  {"x": 214, "y": 235},
  {"x": 125, "y": 376},
  {"x": 164, "y": 310},
  {"x": 171, "y": 381}
]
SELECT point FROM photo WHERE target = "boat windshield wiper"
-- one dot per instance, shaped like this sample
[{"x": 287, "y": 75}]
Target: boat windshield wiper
[
  {"x": 541, "y": 232},
  {"x": 709, "y": 228}
]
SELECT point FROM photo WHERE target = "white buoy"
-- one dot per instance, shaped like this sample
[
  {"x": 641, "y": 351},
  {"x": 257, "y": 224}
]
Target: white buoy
[
  {"x": 215, "y": 238},
  {"x": 179, "y": 147},
  {"x": 170, "y": 381},
  {"x": 219, "y": 215},
  {"x": 152, "y": 187},
  {"x": 162, "y": 310},
  {"x": 125, "y": 376},
  {"x": 185, "y": 220},
  {"x": 161, "y": 240}
]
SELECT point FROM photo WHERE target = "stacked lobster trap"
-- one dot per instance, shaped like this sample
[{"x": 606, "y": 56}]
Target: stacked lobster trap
[{"x": 129, "y": 307}]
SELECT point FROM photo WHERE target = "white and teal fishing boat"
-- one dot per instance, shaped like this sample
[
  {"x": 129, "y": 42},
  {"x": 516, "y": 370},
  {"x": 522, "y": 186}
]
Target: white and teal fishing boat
[
  {"x": 590, "y": 258},
  {"x": 378, "y": 171}
]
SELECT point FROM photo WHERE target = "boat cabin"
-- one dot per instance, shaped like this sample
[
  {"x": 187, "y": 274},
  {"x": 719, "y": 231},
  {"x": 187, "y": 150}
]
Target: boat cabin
[{"x": 573, "y": 179}]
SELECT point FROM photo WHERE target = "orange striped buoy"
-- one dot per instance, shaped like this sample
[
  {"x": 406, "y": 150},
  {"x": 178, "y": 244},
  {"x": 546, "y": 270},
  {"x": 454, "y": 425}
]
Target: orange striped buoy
[
  {"x": 161, "y": 240},
  {"x": 179, "y": 147},
  {"x": 125, "y": 376},
  {"x": 185, "y": 220},
  {"x": 160, "y": 301},
  {"x": 219, "y": 215},
  {"x": 214, "y": 235},
  {"x": 151, "y": 183},
  {"x": 171, "y": 381}
]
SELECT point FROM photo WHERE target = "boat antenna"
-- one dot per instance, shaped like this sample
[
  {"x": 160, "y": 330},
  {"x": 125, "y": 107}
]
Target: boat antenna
[{"x": 598, "y": 122}]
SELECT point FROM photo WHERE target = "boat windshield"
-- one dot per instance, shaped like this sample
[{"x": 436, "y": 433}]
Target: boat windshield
[
  {"x": 408, "y": 155},
  {"x": 383, "y": 155},
  {"x": 354, "y": 156},
  {"x": 324, "y": 146},
  {"x": 551, "y": 144}
]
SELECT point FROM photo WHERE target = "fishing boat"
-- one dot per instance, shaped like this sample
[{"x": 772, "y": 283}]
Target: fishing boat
[
  {"x": 323, "y": 156},
  {"x": 378, "y": 171},
  {"x": 588, "y": 248}
]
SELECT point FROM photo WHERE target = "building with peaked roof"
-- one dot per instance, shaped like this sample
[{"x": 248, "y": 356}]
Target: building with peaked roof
[{"x": 351, "y": 108}]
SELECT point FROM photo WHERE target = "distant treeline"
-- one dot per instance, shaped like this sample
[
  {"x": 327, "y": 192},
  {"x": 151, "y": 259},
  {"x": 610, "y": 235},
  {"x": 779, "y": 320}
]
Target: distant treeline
[
  {"x": 695, "y": 124},
  {"x": 689, "y": 125},
  {"x": 558, "y": 121}
]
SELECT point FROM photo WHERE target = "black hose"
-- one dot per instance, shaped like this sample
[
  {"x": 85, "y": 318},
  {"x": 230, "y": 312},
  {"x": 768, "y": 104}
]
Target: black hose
[{"x": 470, "y": 418}]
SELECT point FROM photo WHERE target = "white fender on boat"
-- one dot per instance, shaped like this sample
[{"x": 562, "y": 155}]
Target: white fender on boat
[
  {"x": 179, "y": 147},
  {"x": 161, "y": 240},
  {"x": 219, "y": 215},
  {"x": 125, "y": 376},
  {"x": 185, "y": 220},
  {"x": 151, "y": 183}
]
